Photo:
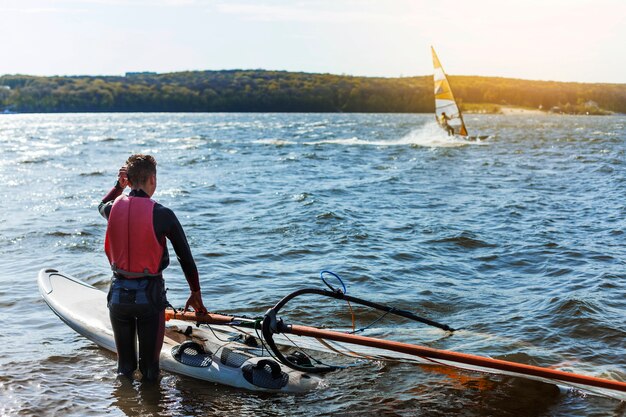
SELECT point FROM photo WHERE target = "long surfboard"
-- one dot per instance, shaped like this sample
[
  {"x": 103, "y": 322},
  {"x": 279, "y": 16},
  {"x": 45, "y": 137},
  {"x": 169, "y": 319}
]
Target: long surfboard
[{"x": 221, "y": 354}]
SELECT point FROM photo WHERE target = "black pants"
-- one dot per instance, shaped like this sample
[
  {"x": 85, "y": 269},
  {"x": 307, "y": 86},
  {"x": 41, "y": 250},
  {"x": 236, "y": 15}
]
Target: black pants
[{"x": 137, "y": 311}]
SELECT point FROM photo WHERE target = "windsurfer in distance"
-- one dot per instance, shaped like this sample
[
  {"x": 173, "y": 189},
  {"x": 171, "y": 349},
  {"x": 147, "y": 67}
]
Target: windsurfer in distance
[
  {"x": 443, "y": 122},
  {"x": 135, "y": 245}
]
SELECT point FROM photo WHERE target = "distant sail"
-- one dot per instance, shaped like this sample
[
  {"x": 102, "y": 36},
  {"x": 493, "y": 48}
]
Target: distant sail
[{"x": 444, "y": 99}]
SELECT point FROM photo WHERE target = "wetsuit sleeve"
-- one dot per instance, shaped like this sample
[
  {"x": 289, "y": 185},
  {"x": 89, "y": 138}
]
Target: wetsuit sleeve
[
  {"x": 105, "y": 205},
  {"x": 175, "y": 233}
]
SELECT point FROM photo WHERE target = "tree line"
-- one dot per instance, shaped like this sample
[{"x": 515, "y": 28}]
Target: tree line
[{"x": 281, "y": 91}]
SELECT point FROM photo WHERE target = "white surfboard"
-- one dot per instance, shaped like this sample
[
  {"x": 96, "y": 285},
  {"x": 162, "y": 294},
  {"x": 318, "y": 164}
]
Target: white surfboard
[{"x": 223, "y": 357}]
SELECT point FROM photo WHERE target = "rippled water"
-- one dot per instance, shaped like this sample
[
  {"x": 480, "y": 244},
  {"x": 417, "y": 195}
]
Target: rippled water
[{"x": 518, "y": 240}]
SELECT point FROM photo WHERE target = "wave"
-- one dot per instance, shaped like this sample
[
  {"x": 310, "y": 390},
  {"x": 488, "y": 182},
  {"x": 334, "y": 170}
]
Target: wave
[
  {"x": 329, "y": 215},
  {"x": 35, "y": 160},
  {"x": 428, "y": 135},
  {"x": 275, "y": 142},
  {"x": 465, "y": 240}
]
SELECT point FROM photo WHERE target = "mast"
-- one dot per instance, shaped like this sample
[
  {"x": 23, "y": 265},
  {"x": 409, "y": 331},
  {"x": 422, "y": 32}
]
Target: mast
[
  {"x": 272, "y": 325},
  {"x": 614, "y": 389}
]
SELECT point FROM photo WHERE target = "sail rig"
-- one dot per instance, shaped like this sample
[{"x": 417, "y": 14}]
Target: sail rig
[
  {"x": 444, "y": 99},
  {"x": 289, "y": 344}
]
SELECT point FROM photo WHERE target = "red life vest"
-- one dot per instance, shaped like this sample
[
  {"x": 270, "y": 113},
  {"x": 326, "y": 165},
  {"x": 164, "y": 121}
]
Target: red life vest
[{"x": 130, "y": 243}]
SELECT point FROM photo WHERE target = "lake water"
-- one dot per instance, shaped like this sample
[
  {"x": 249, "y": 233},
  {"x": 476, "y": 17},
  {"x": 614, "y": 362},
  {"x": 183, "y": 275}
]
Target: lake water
[{"x": 519, "y": 240}]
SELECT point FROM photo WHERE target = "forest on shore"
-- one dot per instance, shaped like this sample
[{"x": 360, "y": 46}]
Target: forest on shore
[{"x": 282, "y": 91}]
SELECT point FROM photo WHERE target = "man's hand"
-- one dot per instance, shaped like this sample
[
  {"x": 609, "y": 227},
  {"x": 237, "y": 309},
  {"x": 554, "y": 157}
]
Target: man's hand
[
  {"x": 195, "y": 302},
  {"x": 122, "y": 178}
]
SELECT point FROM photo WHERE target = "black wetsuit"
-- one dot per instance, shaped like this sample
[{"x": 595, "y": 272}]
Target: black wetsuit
[{"x": 137, "y": 306}]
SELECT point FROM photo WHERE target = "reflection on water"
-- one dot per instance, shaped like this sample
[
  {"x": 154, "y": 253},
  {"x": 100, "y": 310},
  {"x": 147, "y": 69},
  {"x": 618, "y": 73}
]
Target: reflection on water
[
  {"x": 518, "y": 240},
  {"x": 136, "y": 398}
]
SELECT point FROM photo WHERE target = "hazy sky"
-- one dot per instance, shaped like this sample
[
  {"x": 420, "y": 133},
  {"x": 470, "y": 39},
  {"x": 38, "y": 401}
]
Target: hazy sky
[{"x": 564, "y": 40}]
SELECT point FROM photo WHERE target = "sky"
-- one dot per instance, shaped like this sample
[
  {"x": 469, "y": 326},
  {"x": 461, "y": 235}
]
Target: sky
[{"x": 560, "y": 40}]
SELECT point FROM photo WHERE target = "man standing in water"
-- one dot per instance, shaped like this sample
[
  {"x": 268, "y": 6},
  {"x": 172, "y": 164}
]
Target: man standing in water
[{"x": 136, "y": 248}]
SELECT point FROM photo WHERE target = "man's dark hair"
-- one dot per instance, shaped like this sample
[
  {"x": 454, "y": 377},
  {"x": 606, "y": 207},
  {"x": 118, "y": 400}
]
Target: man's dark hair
[{"x": 139, "y": 168}]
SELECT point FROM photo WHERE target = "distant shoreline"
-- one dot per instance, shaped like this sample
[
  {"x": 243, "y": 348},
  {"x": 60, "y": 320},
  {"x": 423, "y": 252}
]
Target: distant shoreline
[
  {"x": 487, "y": 108},
  {"x": 250, "y": 91},
  {"x": 508, "y": 110},
  {"x": 504, "y": 110}
]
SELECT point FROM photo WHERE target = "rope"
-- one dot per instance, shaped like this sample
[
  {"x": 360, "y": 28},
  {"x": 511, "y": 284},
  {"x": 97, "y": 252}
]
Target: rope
[{"x": 371, "y": 324}]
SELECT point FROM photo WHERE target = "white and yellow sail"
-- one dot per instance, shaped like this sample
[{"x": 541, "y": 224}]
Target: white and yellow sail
[{"x": 444, "y": 99}]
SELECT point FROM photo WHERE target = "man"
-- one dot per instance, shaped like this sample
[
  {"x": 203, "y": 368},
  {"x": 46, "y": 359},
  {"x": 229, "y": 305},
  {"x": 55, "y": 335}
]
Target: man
[
  {"x": 136, "y": 248},
  {"x": 443, "y": 121}
]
